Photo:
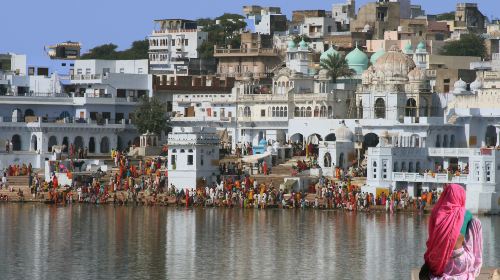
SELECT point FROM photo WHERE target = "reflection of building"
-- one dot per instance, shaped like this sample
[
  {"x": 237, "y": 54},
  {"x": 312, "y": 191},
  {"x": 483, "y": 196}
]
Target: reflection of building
[{"x": 193, "y": 157}]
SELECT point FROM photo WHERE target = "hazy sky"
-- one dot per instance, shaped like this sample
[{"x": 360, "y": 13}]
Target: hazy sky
[{"x": 28, "y": 25}]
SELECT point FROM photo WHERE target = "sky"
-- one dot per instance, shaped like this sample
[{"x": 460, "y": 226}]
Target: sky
[{"x": 29, "y": 25}]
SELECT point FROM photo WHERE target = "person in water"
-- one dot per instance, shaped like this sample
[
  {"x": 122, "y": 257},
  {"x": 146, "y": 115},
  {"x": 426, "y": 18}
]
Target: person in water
[{"x": 455, "y": 244}]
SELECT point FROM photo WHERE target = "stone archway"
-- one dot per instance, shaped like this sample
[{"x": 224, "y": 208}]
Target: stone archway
[
  {"x": 78, "y": 143},
  {"x": 104, "y": 147},
  {"x": 490, "y": 137},
  {"x": 92, "y": 145},
  {"x": 34, "y": 143},
  {"x": 52, "y": 143},
  {"x": 16, "y": 142}
]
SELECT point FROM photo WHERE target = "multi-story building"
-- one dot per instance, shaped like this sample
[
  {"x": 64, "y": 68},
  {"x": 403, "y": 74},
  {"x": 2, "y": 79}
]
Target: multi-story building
[
  {"x": 376, "y": 18},
  {"x": 193, "y": 157},
  {"x": 257, "y": 55},
  {"x": 468, "y": 18},
  {"x": 265, "y": 20},
  {"x": 202, "y": 101},
  {"x": 173, "y": 44},
  {"x": 94, "y": 113},
  {"x": 343, "y": 13}
]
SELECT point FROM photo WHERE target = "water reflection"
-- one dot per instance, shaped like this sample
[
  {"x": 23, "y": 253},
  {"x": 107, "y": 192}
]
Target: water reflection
[{"x": 89, "y": 242}]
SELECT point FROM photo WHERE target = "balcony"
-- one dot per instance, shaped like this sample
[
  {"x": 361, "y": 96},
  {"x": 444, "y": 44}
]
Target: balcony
[
  {"x": 203, "y": 119},
  {"x": 429, "y": 177},
  {"x": 263, "y": 97},
  {"x": 225, "y": 52},
  {"x": 313, "y": 96},
  {"x": 41, "y": 122},
  {"x": 457, "y": 152},
  {"x": 94, "y": 78},
  {"x": 172, "y": 31}
]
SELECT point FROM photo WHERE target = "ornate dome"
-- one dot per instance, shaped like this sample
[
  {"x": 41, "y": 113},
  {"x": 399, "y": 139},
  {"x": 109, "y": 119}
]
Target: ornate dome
[
  {"x": 376, "y": 56},
  {"x": 330, "y": 51},
  {"x": 343, "y": 134},
  {"x": 291, "y": 45},
  {"x": 417, "y": 75},
  {"x": 394, "y": 64},
  {"x": 476, "y": 85},
  {"x": 408, "y": 48},
  {"x": 303, "y": 44},
  {"x": 459, "y": 86},
  {"x": 357, "y": 60},
  {"x": 421, "y": 45}
]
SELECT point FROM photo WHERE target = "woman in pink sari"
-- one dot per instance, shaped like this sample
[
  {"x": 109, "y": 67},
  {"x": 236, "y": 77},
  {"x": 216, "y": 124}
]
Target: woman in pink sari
[{"x": 455, "y": 244}]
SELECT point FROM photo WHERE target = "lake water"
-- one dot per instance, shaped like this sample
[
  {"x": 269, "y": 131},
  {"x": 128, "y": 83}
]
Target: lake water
[{"x": 105, "y": 242}]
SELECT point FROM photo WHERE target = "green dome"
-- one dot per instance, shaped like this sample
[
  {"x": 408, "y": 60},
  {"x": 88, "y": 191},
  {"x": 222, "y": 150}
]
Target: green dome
[
  {"x": 408, "y": 48},
  {"x": 291, "y": 44},
  {"x": 421, "y": 46},
  {"x": 303, "y": 44},
  {"x": 376, "y": 55},
  {"x": 330, "y": 51},
  {"x": 357, "y": 60}
]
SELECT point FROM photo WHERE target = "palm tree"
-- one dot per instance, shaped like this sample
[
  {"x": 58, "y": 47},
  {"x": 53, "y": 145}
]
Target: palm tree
[{"x": 336, "y": 66}]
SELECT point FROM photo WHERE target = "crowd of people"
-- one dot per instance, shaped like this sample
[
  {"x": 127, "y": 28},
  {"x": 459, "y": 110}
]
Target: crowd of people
[{"x": 18, "y": 170}]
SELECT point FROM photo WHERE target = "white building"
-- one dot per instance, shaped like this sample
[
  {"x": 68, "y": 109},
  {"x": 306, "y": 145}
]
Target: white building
[
  {"x": 265, "y": 20},
  {"x": 172, "y": 44},
  {"x": 343, "y": 13},
  {"x": 95, "y": 115},
  {"x": 206, "y": 101},
  {"x": 193, "y": 157}
]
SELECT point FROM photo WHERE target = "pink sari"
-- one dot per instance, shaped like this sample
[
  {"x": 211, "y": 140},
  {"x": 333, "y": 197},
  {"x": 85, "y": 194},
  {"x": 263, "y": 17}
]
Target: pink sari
[
  {"x": 444, "y": 228},
  {"x": 465, "y": 263}
]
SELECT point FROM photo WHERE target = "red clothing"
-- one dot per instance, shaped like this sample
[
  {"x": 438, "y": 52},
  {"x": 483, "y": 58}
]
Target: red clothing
[{"x": 445, "y": 222}]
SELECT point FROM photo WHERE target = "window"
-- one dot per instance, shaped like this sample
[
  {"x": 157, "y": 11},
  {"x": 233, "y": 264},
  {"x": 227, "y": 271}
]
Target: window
[
  {"x": 186, "y": 42},
  {"x": 384, "y": 169},
  {"x": 374, "y": 170},
  {"x": 263, "y": 113},
  {"x": 173, "y": 161},
  {"x": 488, "y": 172},
  {"x": 380, "y": 108},
  {"x": 119, "y": 117},
  {"x": 122, "y": 70},
  {"x": 139, "y": 70},
  {"x": 87, "y": 71},
  {"x": 190, "y": 160},
  {"x": 78, "y": 71},
  {"x": 202, "y": 159}
]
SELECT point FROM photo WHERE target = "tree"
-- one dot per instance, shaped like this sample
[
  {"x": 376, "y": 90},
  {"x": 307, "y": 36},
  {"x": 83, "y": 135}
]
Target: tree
[
  {"x": 138, "y": 50},
  {"x": 151, "y": 116},
  {"x": 468, "y": 45},
  {"x": 446, "y": 16},
  {"x": 336, "y": 66},
  {"x": 226, "y": 32},
  {"x": 298, "y": 38}
]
